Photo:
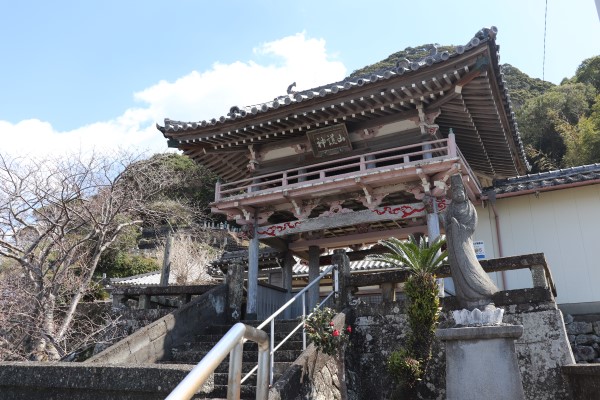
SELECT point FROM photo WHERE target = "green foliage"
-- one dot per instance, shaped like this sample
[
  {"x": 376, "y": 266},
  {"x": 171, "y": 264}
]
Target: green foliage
[
  {"x": 408, "y": 364},
  {"x": 542, "y": 118},
  {"x": 322, "y": 333},
  {"x": 195, "y": 183},
  {"x": 583, "y": 139},
  {"x": 423, "y": 313},
  {"x": 406, "y": 369},
  {"x": 412, "y": 53},
  {"x": 555, "y": 121},
  {"x": 523, "y": 87},
  {"x": 415, "y": 255},
  {"x": 589, "y": 72},
  {"x": 124, "y": 264}
]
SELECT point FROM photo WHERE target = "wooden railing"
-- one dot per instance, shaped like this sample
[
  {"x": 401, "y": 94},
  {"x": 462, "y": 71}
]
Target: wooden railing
[
  {"x": 150, "y": 296},
  {"x": 353, "y": 166},
  {"x": 536, "y": 263}
]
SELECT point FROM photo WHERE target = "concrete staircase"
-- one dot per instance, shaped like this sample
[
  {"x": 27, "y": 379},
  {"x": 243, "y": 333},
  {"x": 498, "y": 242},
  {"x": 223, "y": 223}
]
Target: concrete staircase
[{"x": 193, "y": 352}]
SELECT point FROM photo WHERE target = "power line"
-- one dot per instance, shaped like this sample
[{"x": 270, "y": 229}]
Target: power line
[{"x": 544, "y": 60}]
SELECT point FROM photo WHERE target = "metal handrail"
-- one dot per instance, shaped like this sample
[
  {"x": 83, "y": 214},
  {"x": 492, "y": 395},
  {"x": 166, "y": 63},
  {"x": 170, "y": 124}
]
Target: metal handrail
[
  {"x": 271, "y": 319},
  {"x": 232, "y": 344}
]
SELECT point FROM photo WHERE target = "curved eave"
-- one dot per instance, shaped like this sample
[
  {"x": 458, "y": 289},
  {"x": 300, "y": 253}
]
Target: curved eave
[{"x": 481, "y": 115}]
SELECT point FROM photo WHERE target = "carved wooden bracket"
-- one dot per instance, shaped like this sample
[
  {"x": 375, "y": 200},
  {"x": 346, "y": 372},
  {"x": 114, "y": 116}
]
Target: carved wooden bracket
[
  {"x": 417, "y": 191},
  {"x": 369, "y": 132},
  {"x": 263, "y": 217},
  {"x": 370, "y": 199},
  {"x": 336, "y": 208},
  {"x": 254, "y": 156},
  {"x": 424, "y": 180},
  {"x": 303, "y": 210},
  {"x": 426, "y": 121},
  {"x": 299, "y": 148},
  {"x": 313, "y": 235},
  {"x": 440, "y": 186}
]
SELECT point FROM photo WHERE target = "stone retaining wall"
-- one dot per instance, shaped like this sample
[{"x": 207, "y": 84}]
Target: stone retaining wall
[
  {"x": 541, "y": 351},
  {"x": 152, "y": 342},
  {"x": 313, "y": 375},
  {"x": 584, "y": 337}
]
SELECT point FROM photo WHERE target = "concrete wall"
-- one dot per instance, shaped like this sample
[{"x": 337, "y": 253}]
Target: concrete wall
[
  {"x": 563, "y": 225},
  {"x": 152, "y": 342},
  {"x": 76, "y": 381}
]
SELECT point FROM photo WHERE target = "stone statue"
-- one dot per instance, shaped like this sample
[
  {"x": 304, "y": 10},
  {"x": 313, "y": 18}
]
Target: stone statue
[{"x": 473, "y": 286}]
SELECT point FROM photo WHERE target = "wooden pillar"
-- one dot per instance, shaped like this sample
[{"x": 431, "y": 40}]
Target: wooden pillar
[
  {"x": 433, "y": 221},
  {"x": 427, "y": 155},
  {"x": 252, "y": 275},
  {"x": 166, "y": 268},
  {"x": 286, "y": 280},
  {"x": 433, "y": 232},
  {"x": 313, "y": 273},
  {"x": 144, "y": 302},
  {"x": 370, "y": 165},
  {"x": 340, "y": 258},
  {"x": 388, "y": 292},
  {"x": 235, "y": 291}
]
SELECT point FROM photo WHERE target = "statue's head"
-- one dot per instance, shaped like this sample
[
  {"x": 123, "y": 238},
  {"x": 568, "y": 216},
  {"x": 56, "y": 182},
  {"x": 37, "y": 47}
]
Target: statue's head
[{"x": 457, "y": 189}]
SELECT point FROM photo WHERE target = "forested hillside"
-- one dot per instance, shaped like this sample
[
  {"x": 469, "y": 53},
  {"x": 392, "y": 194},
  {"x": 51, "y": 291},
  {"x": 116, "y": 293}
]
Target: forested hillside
[{"x": 559, "y": 124}]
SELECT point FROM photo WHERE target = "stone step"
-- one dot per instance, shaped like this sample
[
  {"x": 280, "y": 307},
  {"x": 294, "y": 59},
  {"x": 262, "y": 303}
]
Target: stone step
[
  {"x": 194, "y": 356},
  {"x": 215, "y": 337},
  {"x": 220, "y": 392},
  {"x": 280, "y": 326},
  {"x": 248, "y": 346},
  {"x": 278, "y": 368}
]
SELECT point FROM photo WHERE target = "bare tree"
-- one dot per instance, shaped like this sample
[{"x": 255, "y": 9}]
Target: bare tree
[{"x": 57, "y": 217}]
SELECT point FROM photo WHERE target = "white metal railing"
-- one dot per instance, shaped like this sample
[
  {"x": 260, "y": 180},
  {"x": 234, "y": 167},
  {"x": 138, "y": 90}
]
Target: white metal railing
[
  {"x": 271, "y": 320},
  {"x": 335, "y": 169},
  {"x": 232, "y": 344}
]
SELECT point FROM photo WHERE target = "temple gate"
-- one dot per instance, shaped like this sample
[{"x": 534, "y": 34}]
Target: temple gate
[{"x": 349, "y": 163}]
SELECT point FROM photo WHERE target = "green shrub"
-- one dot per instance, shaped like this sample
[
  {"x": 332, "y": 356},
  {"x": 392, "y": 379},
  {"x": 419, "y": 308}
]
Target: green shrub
[
  {"x": 124, "y": 265},
  {"x": 322, "y": 333},
  {"x": 404, "y": 368}
]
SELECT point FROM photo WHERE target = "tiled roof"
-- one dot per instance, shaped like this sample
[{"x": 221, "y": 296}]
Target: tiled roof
[
  {"x": 266, "y": 255},
  {"x": 147, "y": 279},
  {"x": 402, "y": 66},
  {"x": 545, "y": 180},
  {"x": 490, "y": 138},
  {"x": 355, "y": 266}
]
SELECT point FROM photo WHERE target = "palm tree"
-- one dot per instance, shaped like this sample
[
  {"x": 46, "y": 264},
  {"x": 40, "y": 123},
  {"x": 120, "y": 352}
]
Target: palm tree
[
  {"x": 416, "y": 256},
  {"x": 421, "y": 260}
]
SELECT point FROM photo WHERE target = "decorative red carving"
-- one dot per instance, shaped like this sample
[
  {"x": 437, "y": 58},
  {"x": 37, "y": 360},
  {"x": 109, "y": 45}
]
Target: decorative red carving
[
  {"x": 405, "y": 211},
  {"x": 442, "y": 204},
  {"x": 273, "y": 230}
]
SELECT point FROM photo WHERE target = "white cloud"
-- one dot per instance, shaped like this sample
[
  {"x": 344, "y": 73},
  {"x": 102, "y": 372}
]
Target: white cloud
[{"x": 194, "y": 97}]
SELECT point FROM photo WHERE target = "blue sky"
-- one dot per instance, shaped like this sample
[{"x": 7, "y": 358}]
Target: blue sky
[{"x": 78, "y": 74}]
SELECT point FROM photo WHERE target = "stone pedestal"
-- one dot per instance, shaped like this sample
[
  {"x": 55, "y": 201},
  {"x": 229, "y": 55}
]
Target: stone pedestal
[{"x": 481, "y": 363}]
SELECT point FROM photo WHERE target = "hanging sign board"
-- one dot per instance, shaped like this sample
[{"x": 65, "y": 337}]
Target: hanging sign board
[
  {"x": 479, "y": 249},
  {"x": 330, "y": 140}
]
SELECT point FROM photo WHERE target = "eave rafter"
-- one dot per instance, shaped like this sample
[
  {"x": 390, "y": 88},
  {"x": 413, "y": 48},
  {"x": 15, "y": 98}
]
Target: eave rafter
[{"x": 384, "y": 101}]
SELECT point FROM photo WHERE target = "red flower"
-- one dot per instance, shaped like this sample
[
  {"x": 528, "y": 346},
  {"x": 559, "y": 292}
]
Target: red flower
[
  {"x": 331, "y": 323},
  {"x": 336, "y": 333},
  {"x": 349, "y": 329}
]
